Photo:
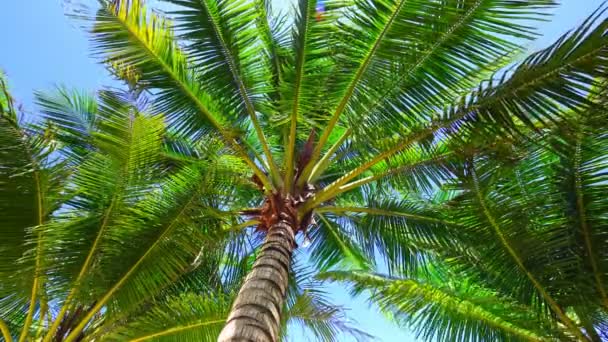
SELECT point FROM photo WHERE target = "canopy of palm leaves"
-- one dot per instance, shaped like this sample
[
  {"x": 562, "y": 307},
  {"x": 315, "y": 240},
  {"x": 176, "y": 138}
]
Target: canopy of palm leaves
[
  {"x": 529, "y": 247},
  {"x": 123, "y": 210},
  {"x": 104, "y": 175}
]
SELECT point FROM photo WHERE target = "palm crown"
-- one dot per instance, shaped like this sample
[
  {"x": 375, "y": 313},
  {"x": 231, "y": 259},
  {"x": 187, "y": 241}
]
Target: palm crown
[{"x": 341, "y": 126}]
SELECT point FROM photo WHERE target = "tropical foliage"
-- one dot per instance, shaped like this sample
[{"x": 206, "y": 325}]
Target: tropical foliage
[
  {"x": 390, "y": 133},
  {"x": 528, "y": 250},
  {"x": 90, "y": 201}
]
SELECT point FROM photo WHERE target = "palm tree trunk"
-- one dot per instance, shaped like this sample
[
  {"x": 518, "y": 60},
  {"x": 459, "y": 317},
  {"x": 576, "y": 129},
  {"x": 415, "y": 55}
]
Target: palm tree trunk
[{"x": 256, "y": 312}]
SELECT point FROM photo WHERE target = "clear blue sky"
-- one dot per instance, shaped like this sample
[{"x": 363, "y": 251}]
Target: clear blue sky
[{"x": 41, "y": 48}]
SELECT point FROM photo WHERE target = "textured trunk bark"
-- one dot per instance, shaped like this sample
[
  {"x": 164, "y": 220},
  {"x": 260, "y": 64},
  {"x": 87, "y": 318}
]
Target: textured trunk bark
[{"x": 256, "y": 312}]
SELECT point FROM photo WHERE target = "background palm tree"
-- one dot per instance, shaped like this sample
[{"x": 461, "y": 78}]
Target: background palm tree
[{"x": 358, "y": 109}]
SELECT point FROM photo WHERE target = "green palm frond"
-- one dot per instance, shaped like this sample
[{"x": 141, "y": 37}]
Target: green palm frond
[
  {"x": 332, "y": 245},
  {"x": 225, "y": 47},
  {"x": 129, "y": 37},
  {"x": 302, "y": 37},
  {"x": 314, "y": 73},
  {"x": 581, "y": 178},
  {"x": 402, "y": 53},
  {"x": 404, "y": 233},
  {"x": 172, "y": 219},
  {"x": 201, "y": 277},
  {"x": 107, "y": 182},
  {"x": 123, "y": 210},
  {"x": 221, "y": 42},
  {"x": 22, "y": 198},
  {"x": 273, "y": 30},
  {"x": 6, "y": 100},
  {"x": 29, "y": 186},
  {"x": 126, "y": 34},
  {"x": 529, "y": 211},
  {"x": 382, "y": 17},
  {"x": 188, "y": 317},
  {"x": 448, "y": 311},
  {"x": 71, "y": 117},
  {"x": 441, "y": 61},
  {"x": 524, "y": 93},
  {"x": 159, "y": 254},
  {"x": 515, "y": 255},
  {"x": 309, "y": 307},
  {"x": 545, "y": 85}
]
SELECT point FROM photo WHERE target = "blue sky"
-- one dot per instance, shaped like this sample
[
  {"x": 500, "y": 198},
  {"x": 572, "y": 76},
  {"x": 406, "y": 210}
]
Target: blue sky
[{"x": 41, "y": 48}]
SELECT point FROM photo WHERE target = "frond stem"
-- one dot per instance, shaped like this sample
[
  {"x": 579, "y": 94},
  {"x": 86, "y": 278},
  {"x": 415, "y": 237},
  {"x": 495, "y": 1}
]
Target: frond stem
[
  {"x": 516, "y": 257},
  {"x": 345, "y": 249},
  {"x": 5, "y": 332},
  {"x": 177, "y": 330},
  {"x": 370, "y": 179},
  {"x": 331, "y": 188},
  {"x": 274, "y": 171},
  {"x": 381, "y": 212},
  {"x": 39, "y": 220},
  {"x": 580, "y": 206},
  {"x": 103, "y": 300},
  {"x": 44, "y": 311},
  {"x": 291, "y": 146},
  {"x": 201, "y": 107},
  {"x": 355, "y": 81},
  {"x": 245, "y": 224},
  {"x": 83, "y": 270},
  {"x": 37, "y": 283},
  {"x": 316, "y": 170}
]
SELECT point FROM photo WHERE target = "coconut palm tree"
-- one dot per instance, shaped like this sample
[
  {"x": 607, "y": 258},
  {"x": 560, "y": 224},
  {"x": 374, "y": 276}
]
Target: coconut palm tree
[
  {"x": 93, "y": 196},
  {"x": 359, "y": 104},
  {"x": 341, "y": 107}
]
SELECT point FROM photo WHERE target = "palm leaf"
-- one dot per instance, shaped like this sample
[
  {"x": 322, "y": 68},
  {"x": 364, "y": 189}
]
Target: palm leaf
[
  {"x": 27, "y": 180},
  {"x": 404, "y": 233},
  {"x": 226, "y": 49},
  {"x": 402, "y": 54},
  {"x": 71, "y": 116},
  {"x": 332, "y": 245},
  {"x": 186, "y": 317},
  {"x": 128, "y": 36},
  {"x": 447, "y": 312},
  {"x": 544, "y": 85}
]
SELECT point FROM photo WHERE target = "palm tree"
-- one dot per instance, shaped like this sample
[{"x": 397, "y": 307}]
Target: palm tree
[
  {"x": 93, "y": 196},
  {"x": 349, "y": 107}
]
